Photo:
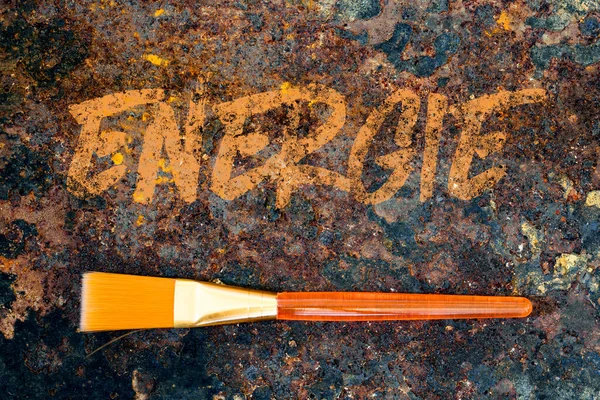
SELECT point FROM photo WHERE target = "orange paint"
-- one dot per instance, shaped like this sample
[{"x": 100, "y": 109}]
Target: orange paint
[
  {"x": 473, "y": 113},
  {"x": 398, "y": 161},
  {"x": 183, "y": 163},
  {"x": 89, "y": 114},
  {"x": 283, "y": 167},
  {"x": 176, "y": 149}
]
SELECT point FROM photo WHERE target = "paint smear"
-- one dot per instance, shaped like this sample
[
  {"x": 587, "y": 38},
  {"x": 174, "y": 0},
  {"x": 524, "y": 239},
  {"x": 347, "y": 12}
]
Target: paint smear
[
  {"x": 156, "y": 60},
  {"x": 504, "y": 20}
]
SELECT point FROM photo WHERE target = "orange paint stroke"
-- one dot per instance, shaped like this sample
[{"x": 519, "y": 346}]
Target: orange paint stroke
[
  {"x": 183, "y": 160},
  {"x": 165, "y": 140},
  {"x": 89, "y": 114},
  {"x": 398, "y": 161},
  {"x": 282, "y": 167},
  {"x": 474, "y": 113}
]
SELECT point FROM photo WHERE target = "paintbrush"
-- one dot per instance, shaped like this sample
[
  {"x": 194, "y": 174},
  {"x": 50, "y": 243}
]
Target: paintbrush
[{"x": 116, "y": 301}]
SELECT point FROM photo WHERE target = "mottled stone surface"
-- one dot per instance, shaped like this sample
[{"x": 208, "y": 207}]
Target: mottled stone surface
[{"x": 532, "y": 228}]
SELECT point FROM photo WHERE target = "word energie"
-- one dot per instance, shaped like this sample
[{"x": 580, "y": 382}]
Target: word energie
[{"x": 183, "y": 146}]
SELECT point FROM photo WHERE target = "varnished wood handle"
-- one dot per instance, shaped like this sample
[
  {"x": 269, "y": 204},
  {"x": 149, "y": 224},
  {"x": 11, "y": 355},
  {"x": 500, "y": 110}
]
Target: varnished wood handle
[{"x": 366, "y": 306}]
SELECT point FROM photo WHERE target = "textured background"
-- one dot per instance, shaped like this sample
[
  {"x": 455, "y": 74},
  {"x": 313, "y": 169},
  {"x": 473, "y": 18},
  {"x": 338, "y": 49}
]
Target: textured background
[{"x": 534, "y": 233}]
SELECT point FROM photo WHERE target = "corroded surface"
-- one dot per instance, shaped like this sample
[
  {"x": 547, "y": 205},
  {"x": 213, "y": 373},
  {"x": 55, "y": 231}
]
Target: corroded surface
[{"x": 437, "y": 147}]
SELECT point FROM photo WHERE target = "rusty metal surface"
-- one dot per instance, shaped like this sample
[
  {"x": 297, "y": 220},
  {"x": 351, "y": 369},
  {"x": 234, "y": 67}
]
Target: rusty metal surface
[{"x": 439, "y": 146}]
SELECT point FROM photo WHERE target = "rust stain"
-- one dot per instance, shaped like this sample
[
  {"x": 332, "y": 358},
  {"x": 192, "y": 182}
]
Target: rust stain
[{"x": 430, "y": 146}]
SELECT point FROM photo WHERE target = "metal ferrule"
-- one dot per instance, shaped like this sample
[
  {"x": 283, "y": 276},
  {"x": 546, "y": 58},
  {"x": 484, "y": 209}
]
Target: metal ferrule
[{"x": 203, "y": 304}]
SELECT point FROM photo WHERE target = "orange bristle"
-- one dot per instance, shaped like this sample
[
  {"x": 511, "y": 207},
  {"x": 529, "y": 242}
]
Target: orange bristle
[{"x": 114, "y": 301}]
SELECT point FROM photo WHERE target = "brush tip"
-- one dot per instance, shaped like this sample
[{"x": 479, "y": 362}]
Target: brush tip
[{"x": 117, "y": 301}]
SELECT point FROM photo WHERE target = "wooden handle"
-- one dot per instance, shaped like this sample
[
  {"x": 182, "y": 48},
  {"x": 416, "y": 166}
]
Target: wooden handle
[{"x": 365, "y": 306}]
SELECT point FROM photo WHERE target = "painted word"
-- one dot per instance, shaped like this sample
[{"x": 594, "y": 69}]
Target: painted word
[{"x": 163, "y": 137}]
